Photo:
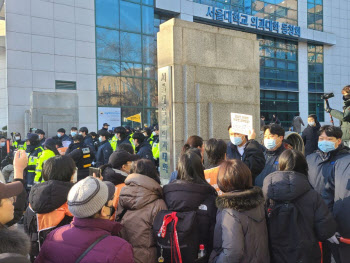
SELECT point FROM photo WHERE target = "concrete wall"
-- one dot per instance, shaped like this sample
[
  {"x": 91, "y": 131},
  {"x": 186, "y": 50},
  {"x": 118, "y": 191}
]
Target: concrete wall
[
  {"x": 215, "y": 72},
  {"x": 50, "y": 40},
  {"x": 3, "y": 87}
]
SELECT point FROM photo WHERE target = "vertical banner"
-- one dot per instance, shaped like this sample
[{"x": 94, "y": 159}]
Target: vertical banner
[
  {"x": 109, "y": 115},
  {"x": 165, "y": 122}
]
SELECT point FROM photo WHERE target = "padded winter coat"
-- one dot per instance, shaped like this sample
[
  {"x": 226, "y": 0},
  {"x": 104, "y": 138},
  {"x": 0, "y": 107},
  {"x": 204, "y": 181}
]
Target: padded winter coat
[
  {"x": 321, "y": 166},
  {"x": 184, "y": 196},
  {"x": 337, "y": 196},
  {"x": 318, "y": 222},
  {"x": 240, "y": 230},
  {"x": 310, "y": 138},
  {"x": 142, "y": 197},
  {"x": 344, "y": 118}
]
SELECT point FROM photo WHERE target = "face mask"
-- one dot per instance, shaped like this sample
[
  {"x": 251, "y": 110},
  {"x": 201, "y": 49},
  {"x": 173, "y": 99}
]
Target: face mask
[
  {"x": 326, "y": 146},
  {"x": 100, "y": 139},
  {"x": 2, "y": 144},
  {"x": 73, "y": 134},
  {"x": 154, "y": 133},
  {"x": 80, "y": 133},
  {"x": 18, "y": 138},
  {"x": 311, "y": 123},
  {"x": 58, "y": 135},
  {"x": 270, "y": 143},
  {"x": 236, "y": 140}
]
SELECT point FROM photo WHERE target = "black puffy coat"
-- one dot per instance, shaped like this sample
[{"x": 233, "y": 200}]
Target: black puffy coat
[
  {"x": 44, "y": 198},
  {"x": 144, "y": 150},
  {"x": 337, "y": 196},
  {"x": 240, "y": 230},
  {"x": 317, "y": 221},
  {"x": 253, "y": 156},
  {"x": 310, "y": 138},
  {"x": 183, "y": 196},
  {"x": 271, "y": 164},
  {"x": 321, "y": 165}
]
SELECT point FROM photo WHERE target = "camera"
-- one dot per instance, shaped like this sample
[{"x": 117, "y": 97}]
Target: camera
[{"x": 327, "y": 96}]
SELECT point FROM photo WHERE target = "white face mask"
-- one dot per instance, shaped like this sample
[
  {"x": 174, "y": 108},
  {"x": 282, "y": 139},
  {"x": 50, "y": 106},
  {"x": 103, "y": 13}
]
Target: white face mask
[
  {"x": 18, "y": 138},
  {"x": 311, "y": 123},
  {"x": 154, "y": 133}
]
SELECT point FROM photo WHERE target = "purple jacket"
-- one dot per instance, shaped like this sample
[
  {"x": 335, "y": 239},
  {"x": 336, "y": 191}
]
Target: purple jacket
[{"x": 67, "y": 243}]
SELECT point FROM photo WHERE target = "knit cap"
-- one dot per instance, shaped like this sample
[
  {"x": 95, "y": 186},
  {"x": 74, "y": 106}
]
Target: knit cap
[{"x": 88, "y": 196}]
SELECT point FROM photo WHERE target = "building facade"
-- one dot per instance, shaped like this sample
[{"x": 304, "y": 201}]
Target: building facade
[{"x": 103, "y": 53}]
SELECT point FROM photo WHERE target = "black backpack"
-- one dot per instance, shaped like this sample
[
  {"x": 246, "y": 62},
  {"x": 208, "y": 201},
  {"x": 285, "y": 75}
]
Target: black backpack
[
  {"x": 177, "y": 236},
  {"x": 291, "y": 239}
]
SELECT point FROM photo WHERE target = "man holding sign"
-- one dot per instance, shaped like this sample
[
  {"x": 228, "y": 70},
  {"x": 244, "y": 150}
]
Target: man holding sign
[{"x": 243, "y": 145}]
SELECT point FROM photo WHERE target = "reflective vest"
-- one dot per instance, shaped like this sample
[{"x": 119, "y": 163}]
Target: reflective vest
[
  {"x": 211, "y": 175},
  {"x": 19, "y": 145},
  {"x": 33, "y": 158},
  {"x": 155, "y": 150},
  {"x": 114, "y": 142},
  {"x": 45, "y": 155}
]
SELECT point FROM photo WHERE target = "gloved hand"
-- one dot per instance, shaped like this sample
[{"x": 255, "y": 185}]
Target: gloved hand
[
  {"x": 334, "y": 239},
  {"x": 326, "y": 108}
]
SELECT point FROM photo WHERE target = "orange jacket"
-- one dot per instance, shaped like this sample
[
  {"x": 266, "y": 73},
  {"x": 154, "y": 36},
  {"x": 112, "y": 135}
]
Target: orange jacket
[
  {"x": 118, "y": 188},
  {"x": 211, "y": 175},
  {"x": 52, "y": 219}
]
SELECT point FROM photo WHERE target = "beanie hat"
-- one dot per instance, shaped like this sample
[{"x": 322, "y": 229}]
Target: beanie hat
[{"x": 87, "y": 197}]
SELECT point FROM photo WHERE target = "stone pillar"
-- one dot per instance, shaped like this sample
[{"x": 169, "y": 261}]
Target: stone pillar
[{"x": 214, "y": 72}]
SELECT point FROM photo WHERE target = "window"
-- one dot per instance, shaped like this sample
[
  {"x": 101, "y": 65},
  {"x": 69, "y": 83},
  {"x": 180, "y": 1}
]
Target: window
[
  {"x": 315, "y": 80},
  {"x": 126, "y": 57},
  {"x": 315, "y": 14},
  {"x": 278, "y": 64},
  {"x": 283, "y": 104},
  {"x": 278, "y": 10},
  {"x": 66, "y": 85}
]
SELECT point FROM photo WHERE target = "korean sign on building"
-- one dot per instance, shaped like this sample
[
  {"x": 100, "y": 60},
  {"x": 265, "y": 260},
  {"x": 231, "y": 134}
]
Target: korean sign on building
[
  {"x": 240, "y": 19},
  {"x": 165, "y": 121}
]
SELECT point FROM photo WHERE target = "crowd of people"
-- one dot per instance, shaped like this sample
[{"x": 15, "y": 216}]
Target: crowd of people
[
  {"x": 97, "y": 197},
  {"x": 250, "y": 202}
]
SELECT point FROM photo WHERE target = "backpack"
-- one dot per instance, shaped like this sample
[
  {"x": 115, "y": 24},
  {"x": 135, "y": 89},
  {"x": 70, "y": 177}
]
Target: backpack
[
  {"x": 290, "y": 237},
  {"x": 177, "y": 236}
]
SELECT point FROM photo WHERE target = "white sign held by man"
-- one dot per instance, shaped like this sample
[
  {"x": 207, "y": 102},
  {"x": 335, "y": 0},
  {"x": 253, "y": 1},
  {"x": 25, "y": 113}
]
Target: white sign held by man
[{"x": 241, "y": 123}]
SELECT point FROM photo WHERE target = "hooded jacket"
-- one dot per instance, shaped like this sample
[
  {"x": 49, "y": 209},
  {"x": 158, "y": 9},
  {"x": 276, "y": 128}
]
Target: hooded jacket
[
  {"x": 44, "y": 198},
  {"x": 67, "y": 243},
  {"x": 310, "y": 137},
  {"x": 271, "y": 164},
  {"x": 142, "y": 197},
  {"x": 318, "y": 223},
  {"x": 183, "y": 196},
  {"x": 337, "y": 196},
  {"x": 240, "y": 230},
  {"x": 321, "y": 166},
  {"x": 253, "y": 156}
]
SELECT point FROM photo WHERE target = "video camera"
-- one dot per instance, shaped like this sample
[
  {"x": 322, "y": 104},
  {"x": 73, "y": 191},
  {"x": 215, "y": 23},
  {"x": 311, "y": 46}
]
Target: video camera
[{"x": 327, "y": 96}]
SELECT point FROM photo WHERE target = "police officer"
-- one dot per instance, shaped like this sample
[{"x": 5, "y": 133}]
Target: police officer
[
  {"x": 62, "y": 136},
  {"x": 50, "y": 150},
  {"x": 82, "y": 155},
  {"x": 34, "y": 151},
  {"x": 104, "y": 150},
  {"x": 87, "y": 137},
  {"x": 119, "y": 138},
  {"x": 18, "y": 143},
  {"x": 143, "y": 148},
  {"x": 155, "y": 146},
  {"x": 73, "y": 132},
  {"x": 105, "y": 126},
  {"x": 129, "y": 134},
  {"x": 147, "y": 132},
  {"x": 95, "y": 140},
  {"x": 41, "y": 135}
]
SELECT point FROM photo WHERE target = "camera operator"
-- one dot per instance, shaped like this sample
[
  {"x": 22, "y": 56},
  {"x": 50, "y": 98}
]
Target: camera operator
[{"x": 344, "y": 116}]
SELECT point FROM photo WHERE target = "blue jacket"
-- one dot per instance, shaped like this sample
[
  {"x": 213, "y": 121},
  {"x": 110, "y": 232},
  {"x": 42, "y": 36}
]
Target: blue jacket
[
  {"x": 104, "y": 151},
  {"x": 321, "y": 166},
  {"x": 65, "y": 138},
  {"x": 145, "y": 151},
  {"x": 271, "y": 165}
]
